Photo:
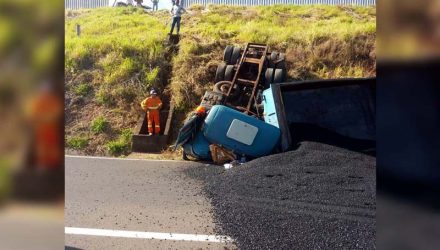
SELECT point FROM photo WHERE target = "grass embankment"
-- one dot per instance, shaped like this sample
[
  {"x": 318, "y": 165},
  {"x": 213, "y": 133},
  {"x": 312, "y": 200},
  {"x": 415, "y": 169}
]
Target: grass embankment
[
  {"x": 319, "y": 42},
  {"x": 120, "y": 54},
  {"x": 109, "y": 69}
]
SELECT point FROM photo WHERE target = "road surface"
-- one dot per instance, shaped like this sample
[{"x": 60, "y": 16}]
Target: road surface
[{"x": 136, "y": 204}]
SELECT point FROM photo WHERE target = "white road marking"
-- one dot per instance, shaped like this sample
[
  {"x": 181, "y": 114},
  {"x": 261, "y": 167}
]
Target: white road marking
[
  {"x": 122, "y": 159},
  {"x": 147, "y": 235}
]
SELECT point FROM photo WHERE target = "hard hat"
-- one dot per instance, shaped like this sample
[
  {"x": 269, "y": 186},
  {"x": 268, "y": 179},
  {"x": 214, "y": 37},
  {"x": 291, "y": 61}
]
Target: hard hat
[
  {"x": 200, "y": 110},
  {"x": 153, "y": 92}
]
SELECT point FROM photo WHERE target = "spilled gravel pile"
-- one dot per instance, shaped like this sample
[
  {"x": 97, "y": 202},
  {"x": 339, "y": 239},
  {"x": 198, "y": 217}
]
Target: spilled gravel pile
[{"x": 315, "y": 197}]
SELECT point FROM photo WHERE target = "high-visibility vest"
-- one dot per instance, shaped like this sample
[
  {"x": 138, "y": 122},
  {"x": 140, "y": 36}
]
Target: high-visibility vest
[{"x": 151, "y": 103}]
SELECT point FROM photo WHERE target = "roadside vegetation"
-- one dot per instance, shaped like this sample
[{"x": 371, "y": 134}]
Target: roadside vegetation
[
  {"x": 109, "y": 68},
  {"x": 120, "y": 54},
  {"x": 5, "y": 180},
  {"x": 98, "y": 125},
  {"x": 77, "y": 142},
  {"x": 122, "y": 144}
]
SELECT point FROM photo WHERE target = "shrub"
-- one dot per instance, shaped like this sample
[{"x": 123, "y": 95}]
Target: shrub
[
  {"x": 121, "y": 145},
  {"x": 117, "y": 147},
  {"x": 104, "y": 97},
  {"x": 82, "y": 89},
  {"x": 126, "y": 134},
  {"x": 98, "y": 125},
  {"x": 77, "y": 142}
]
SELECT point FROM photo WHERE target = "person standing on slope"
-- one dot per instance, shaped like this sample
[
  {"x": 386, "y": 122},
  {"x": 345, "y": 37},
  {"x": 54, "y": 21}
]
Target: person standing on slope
[
  {"x": 152, "y": 105},
  {"x": 155, "y": 4},
  {"x": 177, "y": 12}
]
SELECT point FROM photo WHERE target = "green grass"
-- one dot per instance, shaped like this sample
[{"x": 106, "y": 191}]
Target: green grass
[
  {"x": 98, "y": 125},
  {"x": 121, "y": 145},
  {"x": 280, "y": 24},
  {"x": 82, "y": 89},
  {"x": 77, "y": 142},
  {"x": 117, "y": 47}
]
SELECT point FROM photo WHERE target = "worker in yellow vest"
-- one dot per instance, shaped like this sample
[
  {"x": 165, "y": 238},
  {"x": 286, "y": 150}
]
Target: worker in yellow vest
[{"x": 152, "y": 105}]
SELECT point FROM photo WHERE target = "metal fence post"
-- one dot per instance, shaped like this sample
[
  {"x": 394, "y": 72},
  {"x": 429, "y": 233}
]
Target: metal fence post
[{"x": 78, "y": 30}]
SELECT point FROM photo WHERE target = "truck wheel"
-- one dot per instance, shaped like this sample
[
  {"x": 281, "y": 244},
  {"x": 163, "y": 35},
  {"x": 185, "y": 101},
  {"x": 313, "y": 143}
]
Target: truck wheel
[
  {"x": 273, "y": 57},
  {"x": 235, "y": 55},
  {"x": 282, "y": 63},
  {"x": 223, "y": 88},
  {"x": 229, "y": 73},
  {"x": 282, "y": 56},
  {"x": 220, "y": 73},
  {"x": 278, "y": 76},
  {"x": 184, "y": 156},
  {"x": 227, "y": 54},
  {"x": 268, "y": 77}
]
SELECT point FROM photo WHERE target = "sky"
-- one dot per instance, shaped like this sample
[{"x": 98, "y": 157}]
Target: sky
[{"x": 163, "y": 4}]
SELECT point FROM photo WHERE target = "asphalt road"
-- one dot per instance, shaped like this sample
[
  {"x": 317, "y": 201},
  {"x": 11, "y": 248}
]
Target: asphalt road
[
  {"x": 134, "y": 196},
  {"x": 317, "y": 196}
]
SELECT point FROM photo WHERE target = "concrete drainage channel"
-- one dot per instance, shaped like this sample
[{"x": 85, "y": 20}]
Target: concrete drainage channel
[{"x": 141, "y": 141}]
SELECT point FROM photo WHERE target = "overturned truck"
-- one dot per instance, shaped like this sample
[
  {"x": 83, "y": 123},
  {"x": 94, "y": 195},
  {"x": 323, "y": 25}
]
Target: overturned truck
[{"x": 253, "y": 112}]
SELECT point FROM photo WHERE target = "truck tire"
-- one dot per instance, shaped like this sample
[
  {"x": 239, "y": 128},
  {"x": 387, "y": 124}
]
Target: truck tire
[
  {"x": 220, "y": 73},
  {"x": 184, "y": 156},
  {"x": 268, "y": 77},
  {"x": 273, "y": 57},
  {"x": 279, "y": 76},
  {"x": 282, "y": 56},
  {"x": 282, "y": 63},
  {"x": 229, "y": 73},
  {"x": 223, "y": 87},
  {"x": 235, "y": 56},
  {"x": 227, "y": 54}
]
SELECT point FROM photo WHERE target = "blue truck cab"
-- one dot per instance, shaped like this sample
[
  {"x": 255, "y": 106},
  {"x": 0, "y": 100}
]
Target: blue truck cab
[{"x": 236, "y": 131}]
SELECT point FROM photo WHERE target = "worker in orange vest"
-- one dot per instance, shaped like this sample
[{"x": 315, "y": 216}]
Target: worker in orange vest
[
  {"x": 152, "y": 105},
  {"x": 45, "y": 113}
]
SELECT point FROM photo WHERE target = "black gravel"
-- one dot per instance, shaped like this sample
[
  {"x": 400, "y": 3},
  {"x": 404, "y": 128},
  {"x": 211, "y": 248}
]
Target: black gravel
[{"x": 314, "y": 197}]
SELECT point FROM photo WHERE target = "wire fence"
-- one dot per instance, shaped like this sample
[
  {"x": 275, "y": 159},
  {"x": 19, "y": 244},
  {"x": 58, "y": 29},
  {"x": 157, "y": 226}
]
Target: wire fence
[
  {"x": 187, "y": 3},
  {"x": 85, "y": 4},
  {"x": 88, "y": 4}
]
